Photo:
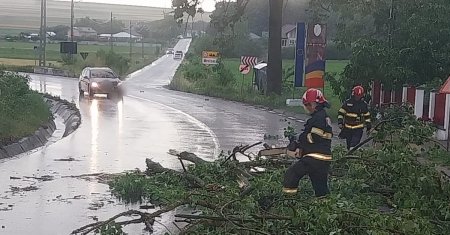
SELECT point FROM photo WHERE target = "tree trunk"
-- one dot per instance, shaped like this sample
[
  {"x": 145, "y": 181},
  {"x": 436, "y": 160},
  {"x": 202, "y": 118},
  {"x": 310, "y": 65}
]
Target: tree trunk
[
  {"x": 186, "y": 26},
  {"x": 274, "y": 70}
]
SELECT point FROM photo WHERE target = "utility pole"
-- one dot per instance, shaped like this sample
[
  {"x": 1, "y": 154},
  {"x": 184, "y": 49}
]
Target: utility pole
[
  {"x": 131, "y": 44},
  {"x": 142, "y": 41},
  {"x": 72, "y": 15},
  {"x": 274, "y": 69},
  {"x": 43, "y": 33},
  {"x": 111, "y": 37}
]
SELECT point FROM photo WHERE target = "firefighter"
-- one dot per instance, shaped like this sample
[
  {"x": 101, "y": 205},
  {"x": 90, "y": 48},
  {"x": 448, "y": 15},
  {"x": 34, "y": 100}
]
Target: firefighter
[
  {"x": 353, "y": 116},
  {"x": 313, "y": 147}
]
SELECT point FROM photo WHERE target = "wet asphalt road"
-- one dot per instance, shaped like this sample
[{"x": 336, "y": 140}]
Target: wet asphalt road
[{"x": 118, "y": 135}]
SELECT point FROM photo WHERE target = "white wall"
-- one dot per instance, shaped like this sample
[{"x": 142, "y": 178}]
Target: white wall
[{"x": 418, "y": 111}]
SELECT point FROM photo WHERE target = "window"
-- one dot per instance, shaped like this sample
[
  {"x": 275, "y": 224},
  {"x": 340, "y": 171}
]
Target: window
[
  {"x": 292, "y": 42},
  {"x": 84, "y": 73},
  {"x": 102, "y": 73},
  {"x": 284, "y": 42}
]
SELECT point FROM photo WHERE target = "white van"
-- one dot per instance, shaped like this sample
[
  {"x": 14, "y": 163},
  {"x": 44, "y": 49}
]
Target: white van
[{"x": 178, "y": 55}]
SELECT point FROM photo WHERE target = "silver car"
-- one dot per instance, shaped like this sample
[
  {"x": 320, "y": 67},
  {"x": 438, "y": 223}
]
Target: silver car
[{"x": 99, "y": 81}]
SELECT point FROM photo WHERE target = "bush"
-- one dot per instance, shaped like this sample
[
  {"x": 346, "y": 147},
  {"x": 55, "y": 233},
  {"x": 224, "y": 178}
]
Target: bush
[
  {"x": 223, "y": 75},
  {"x": 22, "y": 110},
  {"x": 16, "y": 68},
  {"x": 118, "y": 63}
]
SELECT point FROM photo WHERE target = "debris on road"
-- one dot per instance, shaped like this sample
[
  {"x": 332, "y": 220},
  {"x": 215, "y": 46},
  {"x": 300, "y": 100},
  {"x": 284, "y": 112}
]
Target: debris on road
[
  {"x": 42, "y": 178},
  {"x": 24, "y": 189},
  {"x": 69, "y": 159}
]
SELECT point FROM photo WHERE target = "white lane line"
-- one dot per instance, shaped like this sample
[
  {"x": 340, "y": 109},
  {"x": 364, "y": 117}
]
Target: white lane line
[
  {"x": 300, "y": 120},
  {"x": 192, "y": 119},
  {"x": 291, "y": 118}
]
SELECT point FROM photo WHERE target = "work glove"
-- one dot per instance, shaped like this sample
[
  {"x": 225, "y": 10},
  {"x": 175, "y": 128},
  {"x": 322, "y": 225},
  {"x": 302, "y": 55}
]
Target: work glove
[
  {"x": 293, "y": 146},
  {"x": 368, "y": 128}
]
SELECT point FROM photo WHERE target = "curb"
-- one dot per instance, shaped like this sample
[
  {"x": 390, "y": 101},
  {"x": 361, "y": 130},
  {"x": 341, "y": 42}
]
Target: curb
[{"x": 72, "y": 120}]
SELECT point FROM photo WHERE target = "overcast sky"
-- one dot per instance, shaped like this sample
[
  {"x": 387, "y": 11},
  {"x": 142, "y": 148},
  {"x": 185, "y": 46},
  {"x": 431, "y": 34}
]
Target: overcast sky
[{"x": 208, "y": 5}]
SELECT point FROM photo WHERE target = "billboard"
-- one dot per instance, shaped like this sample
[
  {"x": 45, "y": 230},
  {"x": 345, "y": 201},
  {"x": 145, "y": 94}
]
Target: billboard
[
  {"x": 316, "y": 42},
  {"x": 300, "y": 55}
]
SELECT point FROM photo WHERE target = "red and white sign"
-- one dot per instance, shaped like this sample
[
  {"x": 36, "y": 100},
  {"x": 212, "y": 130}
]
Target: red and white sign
[
  {"x": 249, "y": 60},
  {"x": 244, "y": 69}
]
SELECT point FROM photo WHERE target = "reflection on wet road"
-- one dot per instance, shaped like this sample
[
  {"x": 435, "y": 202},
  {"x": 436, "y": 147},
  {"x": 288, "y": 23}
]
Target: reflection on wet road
[{"x": 38, "y": 196}]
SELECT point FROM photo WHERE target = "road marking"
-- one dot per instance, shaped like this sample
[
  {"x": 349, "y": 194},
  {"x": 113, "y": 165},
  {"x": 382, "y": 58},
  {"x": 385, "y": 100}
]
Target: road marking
[
  {"x": 192, "y": 119},
  {"x": 300, "y": 120}
]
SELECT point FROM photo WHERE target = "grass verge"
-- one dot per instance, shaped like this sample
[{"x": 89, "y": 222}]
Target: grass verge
[
  {"x": 195, "y": 78},
  {"x": 22, "y": 110}
]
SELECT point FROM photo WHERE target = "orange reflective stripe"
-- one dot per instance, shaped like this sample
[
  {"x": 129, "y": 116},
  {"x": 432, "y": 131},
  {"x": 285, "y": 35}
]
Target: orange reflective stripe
[
  {"x": 353, "y": 115},
  {"x": 354, "y": 127},
  {"x": 310, "y": 139},
  {"x": 321, "y": 133},
  {"x": 290, "y": 190},
  {"x": 319, "y": 156}
]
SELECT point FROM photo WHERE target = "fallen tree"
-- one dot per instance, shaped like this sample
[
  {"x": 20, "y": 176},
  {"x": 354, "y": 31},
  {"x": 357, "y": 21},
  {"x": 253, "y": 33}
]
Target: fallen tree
[{"x": 377, "y": 190}]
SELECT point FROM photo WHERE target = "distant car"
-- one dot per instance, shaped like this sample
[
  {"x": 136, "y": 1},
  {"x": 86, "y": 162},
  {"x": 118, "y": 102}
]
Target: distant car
[
  {"x": 178, "y": 55},
  {"x": 99, "y": 81},
  {"x": 170, "y": 51},
  {"x": 180, "y": 37}
]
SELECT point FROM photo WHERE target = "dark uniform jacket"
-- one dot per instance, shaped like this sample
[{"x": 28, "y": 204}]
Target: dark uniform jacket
[
  {"x": 315, "y": 141},
  {"x": 354, "y": 114}
]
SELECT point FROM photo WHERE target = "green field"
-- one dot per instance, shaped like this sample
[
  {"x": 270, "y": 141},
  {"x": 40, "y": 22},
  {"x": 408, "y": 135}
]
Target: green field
[
  {"x": 25, "y": 14},
  {"x": 25, "y": 50}
]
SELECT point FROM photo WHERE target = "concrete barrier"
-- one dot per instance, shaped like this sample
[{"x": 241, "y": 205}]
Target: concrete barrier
[
  {"x": 68, "y": 112},
  {"x": 3, "y": 154},
  {"x": 13, "y": 149}
]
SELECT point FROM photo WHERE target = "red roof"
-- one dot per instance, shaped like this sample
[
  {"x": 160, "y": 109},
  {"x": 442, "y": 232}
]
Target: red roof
[{"x": 445, "y": 89}]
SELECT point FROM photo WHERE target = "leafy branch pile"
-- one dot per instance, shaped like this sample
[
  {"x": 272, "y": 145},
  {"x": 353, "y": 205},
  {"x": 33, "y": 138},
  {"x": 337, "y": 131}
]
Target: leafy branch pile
[{"x": 379, "y": 190}]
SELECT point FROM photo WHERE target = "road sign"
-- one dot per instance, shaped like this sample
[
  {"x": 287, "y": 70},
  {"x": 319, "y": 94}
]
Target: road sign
[
  {"x": 210, "y": 57},
  {"x": 249, "y": 60},
  {"x": 244, "y": 69},
  {"x": 84, "y": 55},
  {"x": 210, "y": 54}
]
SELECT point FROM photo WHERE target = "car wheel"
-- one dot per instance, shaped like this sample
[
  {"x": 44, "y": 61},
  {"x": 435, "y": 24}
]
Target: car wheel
[
  {"x": 91, "y": 93},
  {"x": 80, "y": 90}
]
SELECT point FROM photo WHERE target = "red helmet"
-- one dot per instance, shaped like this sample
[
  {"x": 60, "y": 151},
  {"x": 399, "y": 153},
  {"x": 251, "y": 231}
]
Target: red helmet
[
  {"x": 358, "y": 91},
  {"x": 313, "y": 95}
]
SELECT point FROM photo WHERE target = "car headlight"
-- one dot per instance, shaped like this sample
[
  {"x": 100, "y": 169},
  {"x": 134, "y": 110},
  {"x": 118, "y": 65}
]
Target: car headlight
[{"x": 94, "y": 85}]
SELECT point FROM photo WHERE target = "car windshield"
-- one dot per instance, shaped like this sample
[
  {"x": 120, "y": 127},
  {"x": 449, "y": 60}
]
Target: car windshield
[{"x": 102, "y": 73}]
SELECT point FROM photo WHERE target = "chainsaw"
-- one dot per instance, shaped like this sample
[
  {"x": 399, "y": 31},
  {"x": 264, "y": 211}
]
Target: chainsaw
[{"x": 290, "y": 151}]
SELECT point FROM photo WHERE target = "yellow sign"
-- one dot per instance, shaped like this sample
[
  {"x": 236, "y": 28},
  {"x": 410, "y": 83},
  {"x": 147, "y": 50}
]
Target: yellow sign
[{"x": 210, "y": 54}]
